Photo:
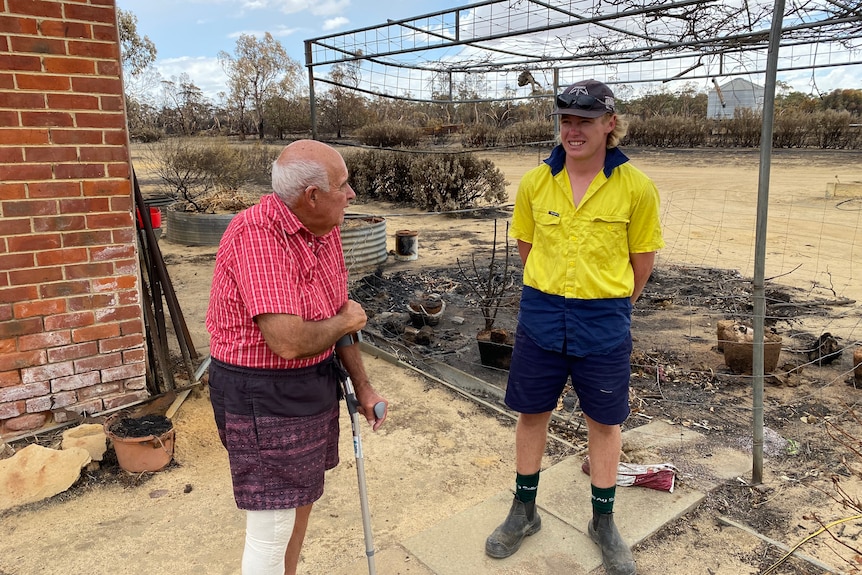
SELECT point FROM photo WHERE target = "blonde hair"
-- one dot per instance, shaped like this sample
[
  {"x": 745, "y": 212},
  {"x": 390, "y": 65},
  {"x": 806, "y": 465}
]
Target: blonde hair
[{"x": 619, "y": 132}]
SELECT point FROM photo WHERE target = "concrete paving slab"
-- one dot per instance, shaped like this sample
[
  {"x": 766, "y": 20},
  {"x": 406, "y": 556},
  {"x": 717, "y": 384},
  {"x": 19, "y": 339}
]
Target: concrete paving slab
[
  {"x": 659, "y": 434},
  {"x": 390, "y": 561},
  {"x": 457, "y": 545}
]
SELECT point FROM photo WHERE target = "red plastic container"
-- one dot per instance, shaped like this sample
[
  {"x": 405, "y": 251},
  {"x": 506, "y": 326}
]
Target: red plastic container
[{"x": 155, "y": 218}]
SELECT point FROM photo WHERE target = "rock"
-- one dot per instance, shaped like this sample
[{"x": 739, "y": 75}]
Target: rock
[
  {"x": 857, "y": 364},
  {"x": 36, "y": 473},
  {"x": 89, "y": 436}
]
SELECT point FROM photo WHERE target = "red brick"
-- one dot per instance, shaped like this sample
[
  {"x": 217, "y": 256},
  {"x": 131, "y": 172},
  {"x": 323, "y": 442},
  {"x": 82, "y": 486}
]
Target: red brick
[
  {"x": 121, "y": 204},
  {"x": 73, "y": 102},
  {"x": 43, "y": 83},
  {"x": 29, "y": 208},
  {"x": 68, "y": 321},
  {"x": 98, "y": 362},
  {"x": 59, "y": 224},
  {"x": 91, "y": 270},
  {"x": 11, "y": 192},
  {"x": 104, "y": 51},
  {"x": 25, "y": 172},
  {"x": 14, "y": 261},
  {"x": 109, "y": 220},
  {"x": 46, "y": 372},
  {"x": 35, "y": 242},
  {"x": 121, "y": 343},
  {"x": 95, "y": 332},
  {"x": 39, "y": 308},
  {"x": 130, "y": 327},
  {"x": 24, "y": 136},
  {"x": 23, "y": 100},
  {"x": 76, "y": 171},
  {"x": 5, "y": 311},
  {"x": 50, "y": 155},
  {"x": 44, "y": 340},
  {"x": 112, "y": 284},
  {"x": 15, "y": 25},
  {"x": 37, "y": 45},
  {"x": 135, "y": 355},
  {"x": 112, "y": 253},
  {"x": 16, "y": 294},
  {"x": 9, "y": 378},
  {"x": 39, "y": 404},
  {"x": 27, "y": 422},
  {"x": 124, "y": 372},
  {"x": 9, "y": 118},
  {"x": 8, "y": 345},
  {"x": 100, "y": 390},
  {"x": 108, "y": 68},
  {"x": 35, "y": 8},
  {"x": 11, "y": 155},
  {"x": 59, "y": 257},
  {"x": 119, "y": 313},
  {"x": 63, "y": 399},
  {"x": 64, "y": 29},
  {"x": 54, "y": 189},
  {"x": 116, "y": 138},
  {"x": 21, "y": 360},
  {"x": 87, "y": 238},
  {"x": 88, "y": 13},
  {"x": 69, "y": 66},
  {"x": 124, "y": 235},
  {"x": 35, "y": 276},
  {"x": 79, "y": 381},
  {"x": 91, "y": 302},
  {"x": 76, "y": 351},
  {"x": 59, "y": 136},
  {"x": 16, "y": 226},
  {"x": 84, "y": 205},
  {"x": 97, "y": 85},
  {"x": 128, "y": 297},
  {"x": 64, "y": 289},
  {"x": 100, "y": 120},
  {"x": 106, "y": 33},
  {"x": 4, "y": 47},
  {"x": 47, "y": 119},
  {"x": 7, "y": 80},
  {"x": 20, "y": 62},
  {"x": 11, "y": 410},
  {"x": 102, "y": 154},
  {"x": 127, "y": 399}
]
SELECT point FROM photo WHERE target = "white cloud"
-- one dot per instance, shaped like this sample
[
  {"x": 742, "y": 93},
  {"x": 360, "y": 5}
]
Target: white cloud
[
  {"x": 334, "y": 23},
  {"x": 330, "y": 7},
  {"x": 279, "y": 32},
  {"x": 206, "y": 73}
]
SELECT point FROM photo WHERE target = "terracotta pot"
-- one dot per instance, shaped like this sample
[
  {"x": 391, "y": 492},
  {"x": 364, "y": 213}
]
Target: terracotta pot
[
  {"x": 739, "y": 355},
  {"x": 137, "y": 454}
]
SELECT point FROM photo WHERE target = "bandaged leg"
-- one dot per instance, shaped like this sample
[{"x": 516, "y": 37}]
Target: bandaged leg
[{"x": 267, "y": 534}]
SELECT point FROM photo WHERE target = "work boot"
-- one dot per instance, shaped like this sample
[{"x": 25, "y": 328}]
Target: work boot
[
  {"x": 616, "y": 555},
  {"x": 523, "y": 520}
]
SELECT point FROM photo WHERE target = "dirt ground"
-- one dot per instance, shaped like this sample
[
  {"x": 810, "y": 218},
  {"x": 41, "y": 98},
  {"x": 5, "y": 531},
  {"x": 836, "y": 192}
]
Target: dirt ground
[{"x": 440, "y": 453}]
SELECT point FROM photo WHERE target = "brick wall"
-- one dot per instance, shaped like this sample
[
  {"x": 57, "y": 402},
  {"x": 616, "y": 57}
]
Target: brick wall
[{"x": 71, "y": 327}]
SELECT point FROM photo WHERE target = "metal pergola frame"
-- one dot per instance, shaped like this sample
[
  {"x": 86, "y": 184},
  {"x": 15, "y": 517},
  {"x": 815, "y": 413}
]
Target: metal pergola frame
[{"x": 619, "y": 37}]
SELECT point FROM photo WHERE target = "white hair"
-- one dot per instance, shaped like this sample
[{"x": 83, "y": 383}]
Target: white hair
[{"x": 291, "y": 177}]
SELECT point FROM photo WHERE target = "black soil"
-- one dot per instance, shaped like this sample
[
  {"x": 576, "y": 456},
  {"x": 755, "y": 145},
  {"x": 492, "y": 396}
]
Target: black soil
[{"x": 155, "y": 425}]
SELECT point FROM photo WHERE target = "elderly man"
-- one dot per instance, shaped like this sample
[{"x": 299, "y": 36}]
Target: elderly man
[
  {"x": 278, "y": 306},
  {"x": 587, "y": 226}
]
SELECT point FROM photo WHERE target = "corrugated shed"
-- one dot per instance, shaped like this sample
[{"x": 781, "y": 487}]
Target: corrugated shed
[{"x": 735, "y": 94}]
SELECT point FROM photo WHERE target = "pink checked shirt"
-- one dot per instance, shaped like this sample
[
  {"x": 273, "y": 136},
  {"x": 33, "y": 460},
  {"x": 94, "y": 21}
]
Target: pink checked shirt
[{"x": 268, "y": 262}]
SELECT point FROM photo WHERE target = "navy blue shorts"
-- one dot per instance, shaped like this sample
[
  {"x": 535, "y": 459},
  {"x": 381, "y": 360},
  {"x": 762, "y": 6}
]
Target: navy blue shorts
[{"x": 537, "y": 378}]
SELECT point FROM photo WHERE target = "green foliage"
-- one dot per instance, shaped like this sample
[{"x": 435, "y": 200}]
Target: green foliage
[
  {"x": 435, "y": 182},
  {"x": 389, "y": 135},
  {"x": 194, "y": 169}
]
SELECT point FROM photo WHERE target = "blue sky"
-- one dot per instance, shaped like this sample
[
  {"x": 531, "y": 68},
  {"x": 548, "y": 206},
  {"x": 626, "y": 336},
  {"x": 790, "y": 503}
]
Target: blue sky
[{"x": 189, "y": 34}]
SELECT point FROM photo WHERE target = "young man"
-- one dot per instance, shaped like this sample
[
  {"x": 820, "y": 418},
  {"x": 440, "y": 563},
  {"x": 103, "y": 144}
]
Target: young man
[
  {"x": 587, "y": 227},
  {"x": 278, "y": 305}
]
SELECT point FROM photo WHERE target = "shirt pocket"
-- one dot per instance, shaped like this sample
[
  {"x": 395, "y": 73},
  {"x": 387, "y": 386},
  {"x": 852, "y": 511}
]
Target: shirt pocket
[{"x": 608, "y": 239}]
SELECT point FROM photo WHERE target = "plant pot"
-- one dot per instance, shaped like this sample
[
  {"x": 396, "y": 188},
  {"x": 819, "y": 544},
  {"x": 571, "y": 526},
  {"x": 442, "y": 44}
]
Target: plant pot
[
  {"x": 194, "y": 228},
  {"x": 495, "y": 348},
  {"x": 137, "y": 452},
  {"x": 739, "y": 355},
  {"x": 426, "y": 310}
]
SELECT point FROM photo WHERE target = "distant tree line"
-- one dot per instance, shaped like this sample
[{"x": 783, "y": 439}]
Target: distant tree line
[{"x": 266, "y": 98}]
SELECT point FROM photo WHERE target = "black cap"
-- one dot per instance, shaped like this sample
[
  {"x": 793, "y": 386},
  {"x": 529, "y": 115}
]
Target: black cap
[{"x": 587, "y": 99}]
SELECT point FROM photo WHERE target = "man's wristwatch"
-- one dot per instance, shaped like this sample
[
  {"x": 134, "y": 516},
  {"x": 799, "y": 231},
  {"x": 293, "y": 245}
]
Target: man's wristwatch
[{"x": 349, "y": 339}]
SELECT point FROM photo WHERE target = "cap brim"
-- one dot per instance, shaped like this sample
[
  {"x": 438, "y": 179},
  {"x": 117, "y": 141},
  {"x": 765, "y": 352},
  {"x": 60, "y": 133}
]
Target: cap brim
[{"x": 579, "y": 113}]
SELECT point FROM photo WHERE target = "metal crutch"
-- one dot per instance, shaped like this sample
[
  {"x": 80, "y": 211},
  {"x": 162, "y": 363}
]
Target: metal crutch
[{"x": 353, "y": 410}]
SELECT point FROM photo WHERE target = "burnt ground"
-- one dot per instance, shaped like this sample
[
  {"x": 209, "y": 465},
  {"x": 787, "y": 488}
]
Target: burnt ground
[{"x": 679, "y": 376}]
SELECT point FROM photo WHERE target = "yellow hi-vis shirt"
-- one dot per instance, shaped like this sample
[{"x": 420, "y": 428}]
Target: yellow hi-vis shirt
[{"x": 582, "y": 252}]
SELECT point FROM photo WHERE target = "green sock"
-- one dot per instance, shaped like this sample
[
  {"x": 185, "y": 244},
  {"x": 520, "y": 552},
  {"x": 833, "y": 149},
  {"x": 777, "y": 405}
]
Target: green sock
[
  {"x": 603, "y": 499},
  {"x": 526, "y": 486}
]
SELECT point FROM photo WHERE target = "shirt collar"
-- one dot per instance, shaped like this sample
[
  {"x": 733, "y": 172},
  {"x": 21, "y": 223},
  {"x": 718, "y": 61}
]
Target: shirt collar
[
  {"x": 291, "y": 222},
  {"x": 557, "y": 160}
]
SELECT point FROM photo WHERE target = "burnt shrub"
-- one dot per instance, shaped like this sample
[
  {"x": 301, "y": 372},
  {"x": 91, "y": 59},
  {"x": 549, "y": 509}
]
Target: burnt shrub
[
  {"x": 389, "y": 135},
  {"x": 434, "y": 182},
  {"x": 480, "y": 136},
  {"x": 522, "y": 133}
]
